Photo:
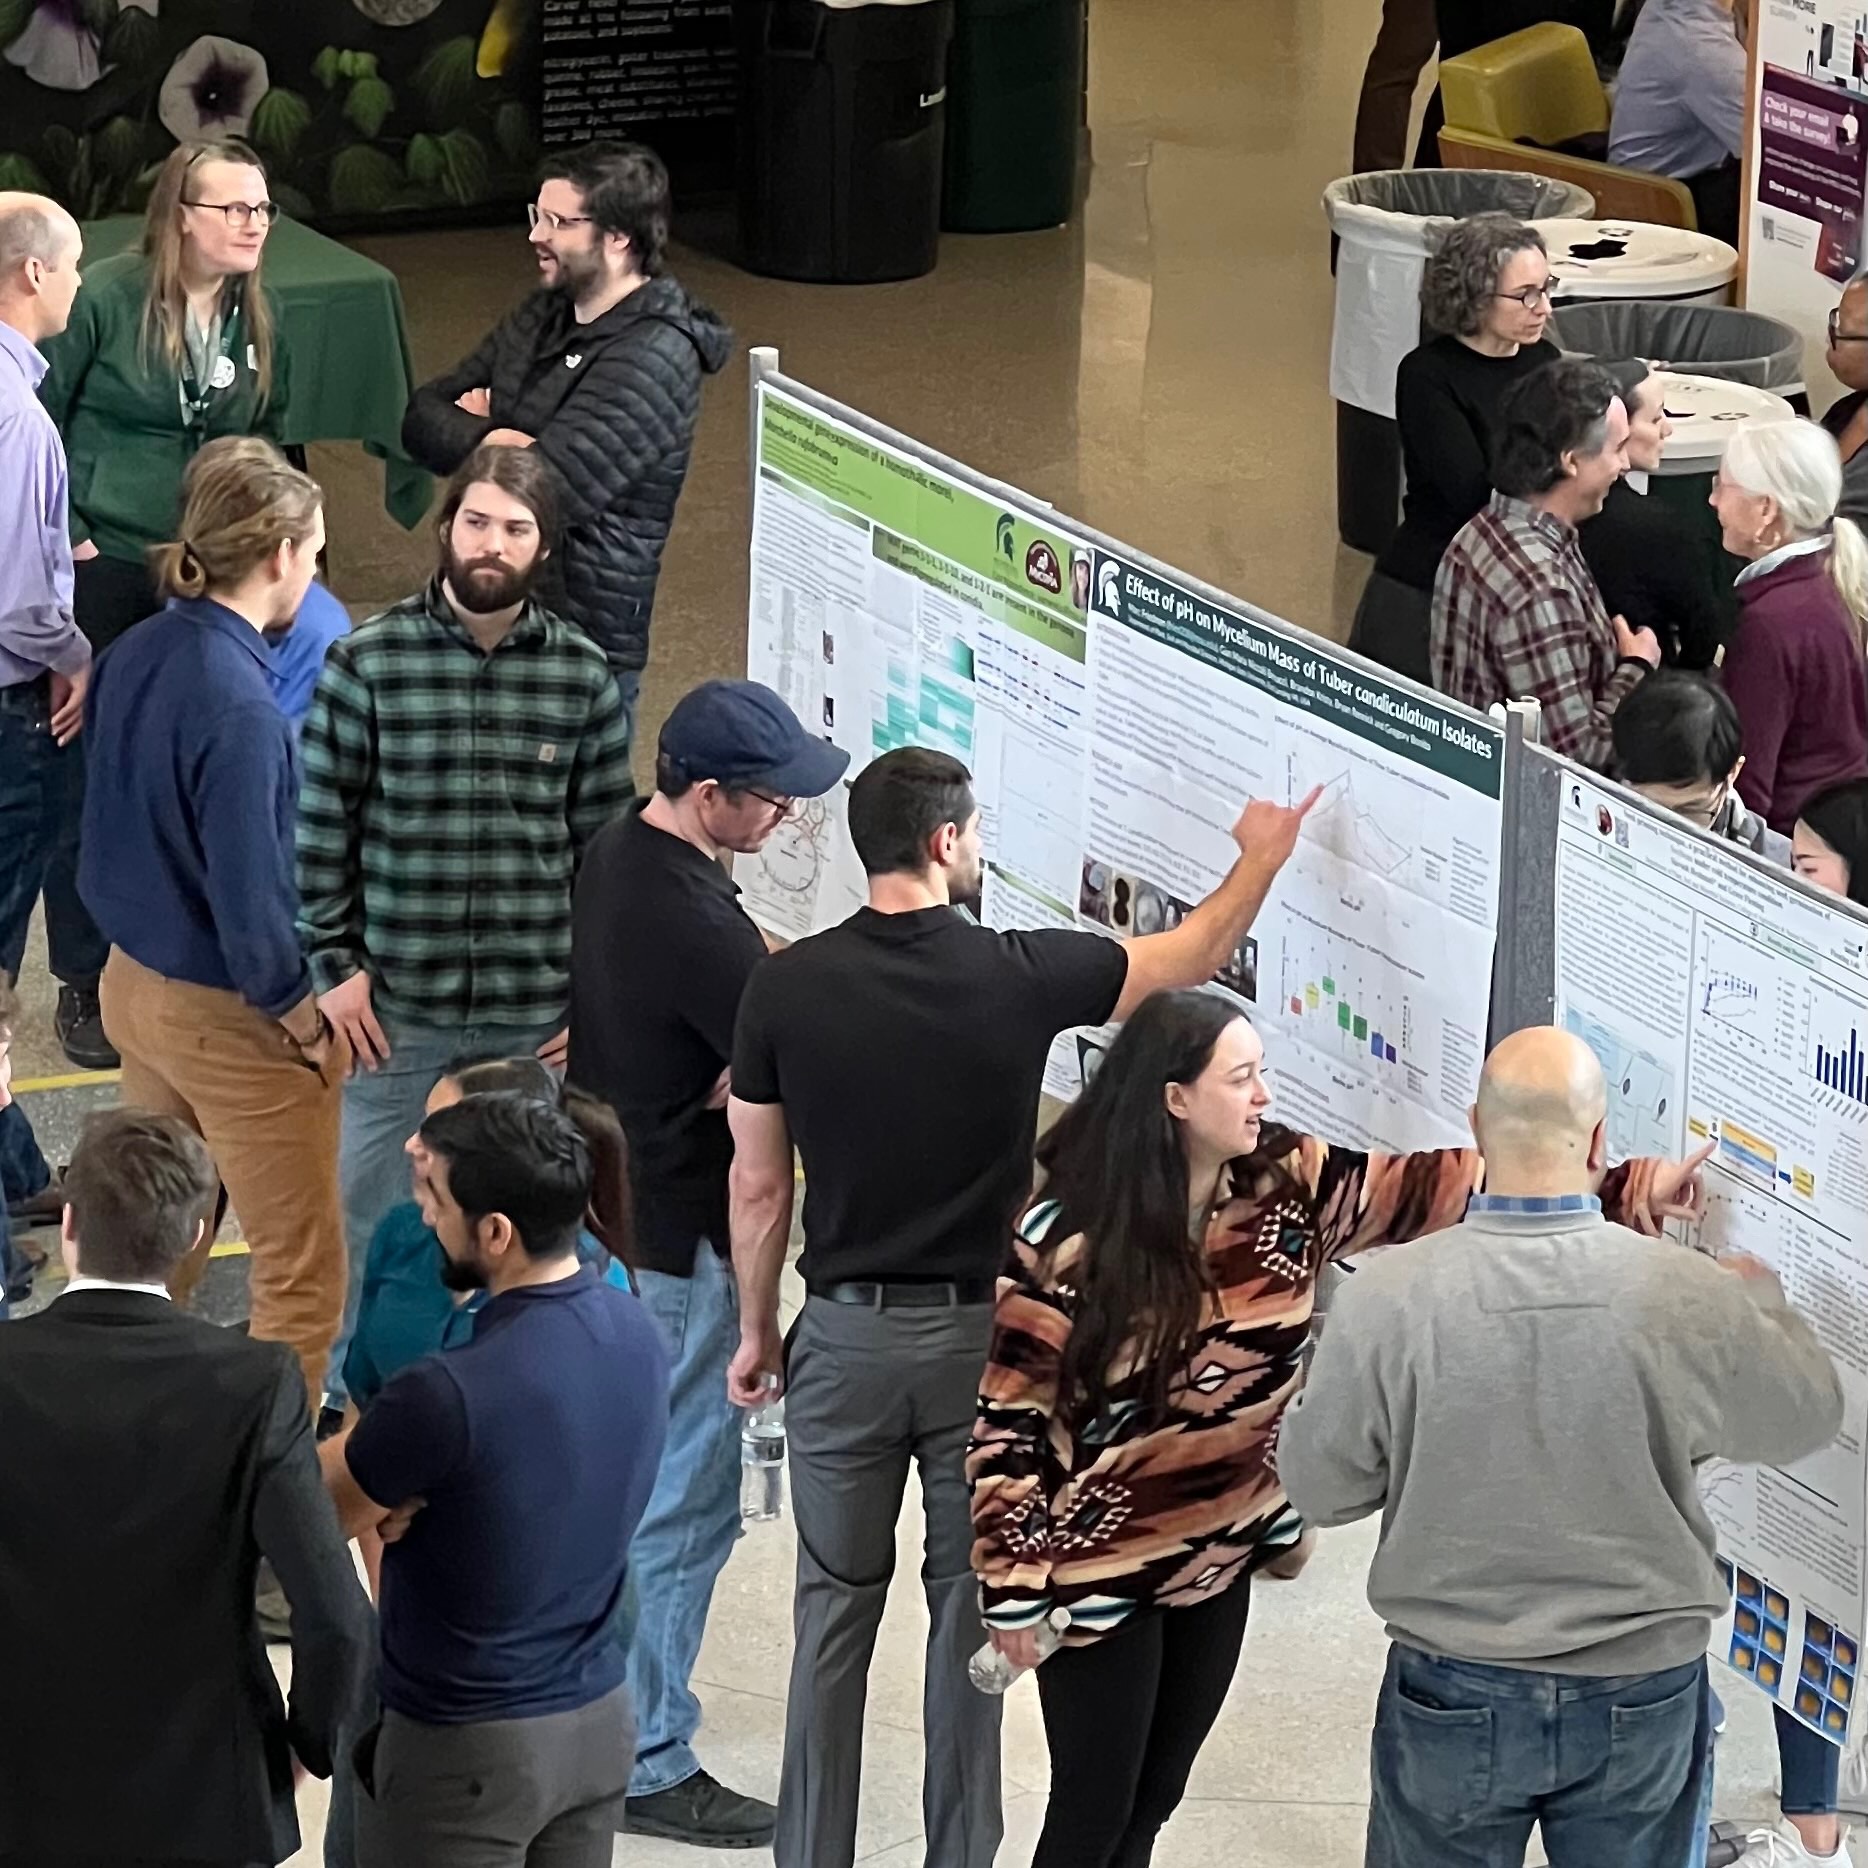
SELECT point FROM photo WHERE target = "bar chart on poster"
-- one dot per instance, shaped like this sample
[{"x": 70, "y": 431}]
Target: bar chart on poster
[
  {"x": 1730, "y": 1008},
  {"x": 1115, "y": 721}
]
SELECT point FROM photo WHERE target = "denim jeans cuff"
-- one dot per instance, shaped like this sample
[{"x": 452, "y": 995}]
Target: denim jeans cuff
[{"x": 673, "y": 1764}]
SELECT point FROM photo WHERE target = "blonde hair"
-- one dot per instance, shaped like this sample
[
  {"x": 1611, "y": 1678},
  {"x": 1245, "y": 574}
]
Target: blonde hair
[
  {"x": 1797, "y": 464},
  {"x": 165, "y": 305},
  {"x": 241, "y": 500}
]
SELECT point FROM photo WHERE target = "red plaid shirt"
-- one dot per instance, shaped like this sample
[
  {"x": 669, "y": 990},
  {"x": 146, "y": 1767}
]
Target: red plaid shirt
[{"x": 1517, "y": 616}]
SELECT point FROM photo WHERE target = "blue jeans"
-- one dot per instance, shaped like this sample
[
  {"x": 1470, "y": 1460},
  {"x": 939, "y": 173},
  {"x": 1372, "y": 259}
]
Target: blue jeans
[
  {"x": 382, "y": 1109},
  {"x": 1466, "y": 1758},
  {"x": 41, "y": 806},
  {"x": 1811, "y": 1768},
  {"x": 688, "y": 1531},
  {"x": 24, "y": 1171}
]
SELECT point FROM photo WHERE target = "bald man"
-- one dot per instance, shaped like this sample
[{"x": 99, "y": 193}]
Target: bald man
[
  {"x": 44, "y": 659},
  {"x": 1526, "y": 1398}
]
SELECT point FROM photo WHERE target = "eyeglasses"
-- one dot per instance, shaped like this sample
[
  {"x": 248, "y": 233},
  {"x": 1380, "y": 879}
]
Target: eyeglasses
[
  {"x": 1839, "y": 336},
  {"x": 1531, "y": 296},
  {"x": 241, "y": 213},
  {"x": 543, "y": 217},
  {"x": 783, "y": 806}
]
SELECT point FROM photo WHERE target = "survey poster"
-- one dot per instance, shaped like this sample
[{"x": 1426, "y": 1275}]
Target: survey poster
[
  {"x": 894, "y": 605},
  {"x": 1369, "y": 970},
  {"x": 1812, "y": 166},
  {"x": 1729, "y": 1007}
]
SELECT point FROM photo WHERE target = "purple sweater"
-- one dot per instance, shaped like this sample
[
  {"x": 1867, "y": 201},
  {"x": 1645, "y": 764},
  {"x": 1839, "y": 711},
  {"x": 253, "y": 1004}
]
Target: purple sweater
[{"x": 1796, "y": 677}]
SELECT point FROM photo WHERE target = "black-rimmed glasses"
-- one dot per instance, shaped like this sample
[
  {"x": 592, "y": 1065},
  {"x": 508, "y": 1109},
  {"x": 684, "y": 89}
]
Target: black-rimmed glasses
[
  {"x": 1531, "y": 296},
  {"x": 1839, "y": 336},
  {"x": 241, "y": 213},
  {"x": 783, "y": 806},
  {"x": 543, "y": 217}
]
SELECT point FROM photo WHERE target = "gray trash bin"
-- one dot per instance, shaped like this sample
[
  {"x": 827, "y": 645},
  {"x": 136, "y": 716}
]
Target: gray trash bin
[
  {"x": 1387, "y": 223},
  {"x": 1703, "y": 340}
]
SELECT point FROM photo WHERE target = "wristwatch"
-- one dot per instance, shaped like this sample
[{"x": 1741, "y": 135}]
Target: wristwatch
[{"x": 319, "y": 1034}]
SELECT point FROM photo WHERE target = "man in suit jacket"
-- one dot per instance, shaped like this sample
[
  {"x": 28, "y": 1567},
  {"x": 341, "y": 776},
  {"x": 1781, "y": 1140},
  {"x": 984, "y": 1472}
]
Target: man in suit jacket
[{"x": 152, "y": 1460}]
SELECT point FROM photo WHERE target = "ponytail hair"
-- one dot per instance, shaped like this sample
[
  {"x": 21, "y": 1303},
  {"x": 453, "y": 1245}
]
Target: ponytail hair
[
  {"x": 1798, "y": 465},
  {"x": 1848, "y": 566},
  {"x": 241, "y": 501}
]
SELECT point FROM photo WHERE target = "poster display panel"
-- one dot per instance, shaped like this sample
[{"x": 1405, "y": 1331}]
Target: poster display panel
[
  {"x": 1116, "y": 721},
  {"x": 1730, "y": 1008}
]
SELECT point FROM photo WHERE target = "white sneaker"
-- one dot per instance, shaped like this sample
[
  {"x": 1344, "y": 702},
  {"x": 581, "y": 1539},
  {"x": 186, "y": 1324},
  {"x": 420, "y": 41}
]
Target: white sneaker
[{"x": 1783, "y": 1848}]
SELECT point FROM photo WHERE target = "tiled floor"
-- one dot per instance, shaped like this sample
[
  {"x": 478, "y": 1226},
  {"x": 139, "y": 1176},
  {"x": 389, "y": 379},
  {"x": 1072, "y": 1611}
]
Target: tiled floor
[{"x": 1159, "y": 369}]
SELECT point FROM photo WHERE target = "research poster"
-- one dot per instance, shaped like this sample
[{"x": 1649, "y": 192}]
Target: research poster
[
  {"x": 1729, "y": 1008},
  {"x": 1808, "y": 170},
  {"x": 1116, "y": 723}
]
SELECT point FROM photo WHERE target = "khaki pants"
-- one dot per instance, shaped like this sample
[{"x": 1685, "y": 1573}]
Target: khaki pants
[{"x": 271, "y": 1125}]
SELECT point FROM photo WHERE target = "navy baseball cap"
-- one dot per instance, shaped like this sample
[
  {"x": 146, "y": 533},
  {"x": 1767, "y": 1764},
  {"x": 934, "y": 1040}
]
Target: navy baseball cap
[{"x": 739, "y": 734}]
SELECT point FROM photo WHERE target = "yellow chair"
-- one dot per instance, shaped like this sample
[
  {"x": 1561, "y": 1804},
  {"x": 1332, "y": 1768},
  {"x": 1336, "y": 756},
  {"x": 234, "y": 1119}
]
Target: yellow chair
[
  {"x": 1621, "y": 194},
  {"x": 1535, "y": 86}
]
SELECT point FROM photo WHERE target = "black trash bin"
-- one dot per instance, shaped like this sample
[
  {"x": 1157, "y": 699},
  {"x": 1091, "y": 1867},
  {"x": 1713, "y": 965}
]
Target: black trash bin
[
  {"x": 842, "y": 113},
  {"x": 1014, "y": 110}
]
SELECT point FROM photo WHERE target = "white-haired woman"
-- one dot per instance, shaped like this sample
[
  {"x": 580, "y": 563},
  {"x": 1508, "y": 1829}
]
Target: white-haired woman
[
  {"x": 1795, "y": 669},
  {"x": 1486, "y": 290}
]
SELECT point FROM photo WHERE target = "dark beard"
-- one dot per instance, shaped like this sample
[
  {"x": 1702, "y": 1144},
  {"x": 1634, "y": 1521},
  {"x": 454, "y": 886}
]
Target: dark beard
[
  {"x": 482, "y": 593},
  {"x": 456, "y": 1276}
]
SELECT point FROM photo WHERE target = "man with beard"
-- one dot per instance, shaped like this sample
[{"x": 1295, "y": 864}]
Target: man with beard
[
  {"x": 462, "y": 750},
  {"x": 601, "y": 371},
  {"x": 507, "y": 1477}
]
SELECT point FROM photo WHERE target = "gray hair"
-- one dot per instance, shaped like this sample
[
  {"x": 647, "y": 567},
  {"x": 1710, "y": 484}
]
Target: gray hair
[
  {"x": 33, "y": 227},
  {"x": 1457, "y": 286}
]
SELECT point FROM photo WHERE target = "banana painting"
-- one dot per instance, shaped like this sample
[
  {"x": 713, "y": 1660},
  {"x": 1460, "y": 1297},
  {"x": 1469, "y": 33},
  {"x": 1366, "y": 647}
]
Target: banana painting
[{"x": 501, "y": 37}]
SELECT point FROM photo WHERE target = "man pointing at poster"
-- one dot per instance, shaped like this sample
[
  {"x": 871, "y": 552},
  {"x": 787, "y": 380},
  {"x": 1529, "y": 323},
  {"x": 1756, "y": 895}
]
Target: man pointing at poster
[{"x": 903, "y": 1050}]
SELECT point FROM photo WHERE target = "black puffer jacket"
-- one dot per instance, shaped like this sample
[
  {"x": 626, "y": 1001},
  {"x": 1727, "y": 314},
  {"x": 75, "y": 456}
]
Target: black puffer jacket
[{"x": 612, "y": 406}]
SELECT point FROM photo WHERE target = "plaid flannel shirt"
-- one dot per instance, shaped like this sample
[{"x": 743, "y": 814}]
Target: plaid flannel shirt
[
  {"x": 446, "y": 797},
  {"x": 1517, "y": 616}
]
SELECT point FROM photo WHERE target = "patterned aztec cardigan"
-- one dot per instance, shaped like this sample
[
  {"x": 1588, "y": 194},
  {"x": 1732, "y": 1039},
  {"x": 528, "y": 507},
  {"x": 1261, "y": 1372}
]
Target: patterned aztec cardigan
[{"x": 1103, "y": 1517}]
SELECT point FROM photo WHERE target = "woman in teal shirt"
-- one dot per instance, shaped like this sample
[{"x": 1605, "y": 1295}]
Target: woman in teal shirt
[{"x": 405, "y": 1311}]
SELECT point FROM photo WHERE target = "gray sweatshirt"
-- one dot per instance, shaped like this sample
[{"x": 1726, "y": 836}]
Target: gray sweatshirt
[{"x": 1525, "y": 1399}]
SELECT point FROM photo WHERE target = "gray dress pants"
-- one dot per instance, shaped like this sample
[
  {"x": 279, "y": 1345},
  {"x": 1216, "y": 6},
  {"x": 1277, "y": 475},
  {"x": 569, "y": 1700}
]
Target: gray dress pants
[
  {"x": 506, "y": 1793},
  {"x": 868, "y": 1390}
]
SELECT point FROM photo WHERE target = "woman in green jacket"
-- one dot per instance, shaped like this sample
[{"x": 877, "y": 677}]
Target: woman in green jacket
[{"x": 169, "y": 347}]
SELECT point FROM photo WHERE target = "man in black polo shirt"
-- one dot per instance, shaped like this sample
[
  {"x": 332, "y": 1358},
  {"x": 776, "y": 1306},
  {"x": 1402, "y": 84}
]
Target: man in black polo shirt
[
  {"x": 904, "y": 1051},
  {"x": 660, "y": 952},
  {"x": 514, "y": 1468}
]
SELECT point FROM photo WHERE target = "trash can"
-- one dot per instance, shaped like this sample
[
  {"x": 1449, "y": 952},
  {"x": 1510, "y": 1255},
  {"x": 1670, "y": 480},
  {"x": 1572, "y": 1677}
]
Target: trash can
[
  {"x": 842, "y": 107},
  {"x": 1706, "y": 340},
  {"x": 1014, "y": 107},
  {"x": 1598, "y": 260},
  {"x": 1387, "y": 223}
]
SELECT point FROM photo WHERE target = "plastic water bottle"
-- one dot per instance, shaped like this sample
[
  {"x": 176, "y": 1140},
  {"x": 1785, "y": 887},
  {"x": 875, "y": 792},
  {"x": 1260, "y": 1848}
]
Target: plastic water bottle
[
  {"x": 762, "y": 1463},
  {"x": 992, "y": 1672}
]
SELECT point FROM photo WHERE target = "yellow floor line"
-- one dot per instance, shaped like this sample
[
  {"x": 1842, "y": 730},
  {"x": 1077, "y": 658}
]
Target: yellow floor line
[
  {"x": 74, "y": 1080},
  {"x": 228, "y": 1248}
]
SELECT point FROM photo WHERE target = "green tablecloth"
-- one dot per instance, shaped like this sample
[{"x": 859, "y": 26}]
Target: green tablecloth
[{"x": 342, "y": 321}]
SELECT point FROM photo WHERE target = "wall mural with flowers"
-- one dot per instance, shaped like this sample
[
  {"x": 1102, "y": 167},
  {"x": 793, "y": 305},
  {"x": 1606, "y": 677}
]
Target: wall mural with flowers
[{"x": 365, "y": 110}]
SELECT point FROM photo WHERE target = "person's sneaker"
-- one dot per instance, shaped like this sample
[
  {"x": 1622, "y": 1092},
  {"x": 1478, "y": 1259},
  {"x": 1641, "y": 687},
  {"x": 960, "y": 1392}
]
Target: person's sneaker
[
  {"x": 1783, "y": 1848},
  {"x": 80, "y": 1027},
  {"x": 701, "y": 1810}
]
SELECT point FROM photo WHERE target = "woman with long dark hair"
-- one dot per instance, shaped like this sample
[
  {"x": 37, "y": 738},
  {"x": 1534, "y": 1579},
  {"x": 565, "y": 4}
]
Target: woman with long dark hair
[{"x": 1150, "y": 1332}]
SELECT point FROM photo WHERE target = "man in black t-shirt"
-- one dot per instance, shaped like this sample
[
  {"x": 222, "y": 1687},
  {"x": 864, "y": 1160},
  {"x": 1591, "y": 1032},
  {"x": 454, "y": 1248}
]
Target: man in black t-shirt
[
  {"x": 660, "y": 952},
  {"x": 904, "y": 1051}
]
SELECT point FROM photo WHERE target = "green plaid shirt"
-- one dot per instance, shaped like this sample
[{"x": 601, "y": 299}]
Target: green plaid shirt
[{"x": 446, "y": 798}]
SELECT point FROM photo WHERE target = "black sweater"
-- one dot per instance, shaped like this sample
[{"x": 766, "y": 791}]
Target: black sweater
[
  {"x": 1446, "y": 402},
  {"x": 1658, "y": 569}
]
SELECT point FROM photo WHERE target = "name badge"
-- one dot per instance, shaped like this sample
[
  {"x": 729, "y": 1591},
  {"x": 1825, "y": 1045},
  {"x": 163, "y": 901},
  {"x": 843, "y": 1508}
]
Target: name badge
[
  {"x": 223, "y": 373},
  {"x": 547, "y": 753}
]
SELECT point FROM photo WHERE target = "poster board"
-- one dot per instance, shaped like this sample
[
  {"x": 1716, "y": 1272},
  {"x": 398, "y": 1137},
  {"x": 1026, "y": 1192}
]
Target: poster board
[
  {"x": 1807, "y": 166},
  {"x": 1728, "y": 1003},
  {"x": 1116, "y": 716}
]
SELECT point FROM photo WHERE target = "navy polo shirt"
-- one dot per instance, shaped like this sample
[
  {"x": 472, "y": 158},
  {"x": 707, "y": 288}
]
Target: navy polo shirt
[{"x": 535, "y": 1446}]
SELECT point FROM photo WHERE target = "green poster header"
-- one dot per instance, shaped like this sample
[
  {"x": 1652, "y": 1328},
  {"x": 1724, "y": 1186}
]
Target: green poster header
[
  {"x": 1301, "y": 675},
  {"x": 1031, "y": 564}
]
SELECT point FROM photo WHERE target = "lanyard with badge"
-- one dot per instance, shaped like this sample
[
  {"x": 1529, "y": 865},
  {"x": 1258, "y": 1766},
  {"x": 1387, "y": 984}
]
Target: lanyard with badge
[{"x": 222, "y": 374}]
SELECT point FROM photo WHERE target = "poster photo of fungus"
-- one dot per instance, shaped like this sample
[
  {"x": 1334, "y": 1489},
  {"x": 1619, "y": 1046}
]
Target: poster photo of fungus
[{"x": 366, "y": 112}]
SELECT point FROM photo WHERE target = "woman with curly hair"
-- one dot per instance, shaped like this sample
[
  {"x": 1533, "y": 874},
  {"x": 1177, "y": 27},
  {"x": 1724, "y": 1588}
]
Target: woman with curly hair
[
  {"x": 1150, "y": 1332},
  {"x": 1487, "y": 292}
]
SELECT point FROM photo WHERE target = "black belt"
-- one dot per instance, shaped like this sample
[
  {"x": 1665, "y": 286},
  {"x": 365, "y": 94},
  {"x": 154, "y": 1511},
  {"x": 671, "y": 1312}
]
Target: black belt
[{"x": 948, "y": 1294}]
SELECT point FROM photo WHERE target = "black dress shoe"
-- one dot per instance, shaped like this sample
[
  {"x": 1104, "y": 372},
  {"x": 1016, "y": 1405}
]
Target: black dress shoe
[
  {"x": 80, "y": 1027},
  {"x": 701, "y": 1811}
]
